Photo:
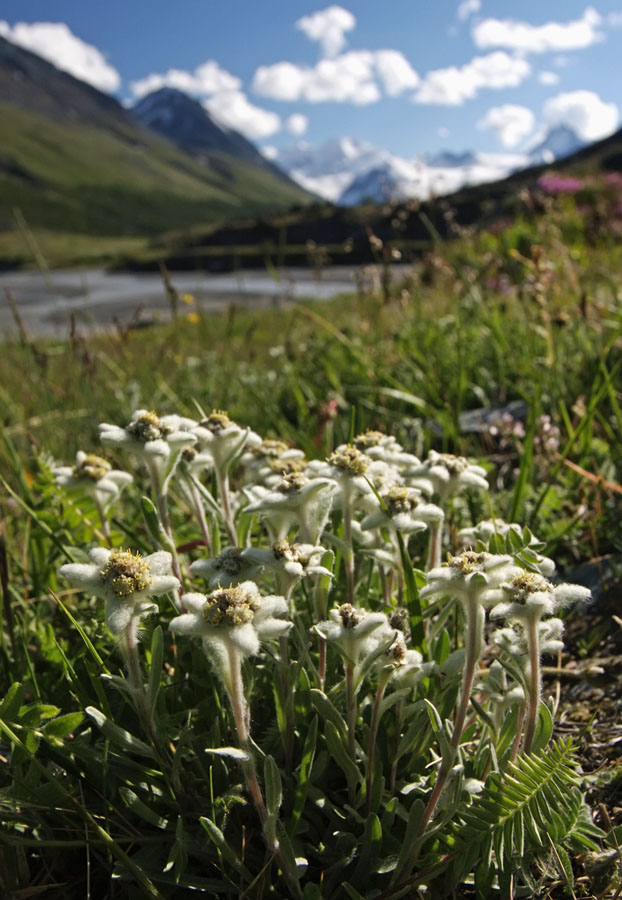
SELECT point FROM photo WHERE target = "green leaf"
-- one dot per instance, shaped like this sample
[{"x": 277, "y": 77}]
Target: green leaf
[
  {"x": 141, "y": 809},
  {"x": 273, "y": 786},
  {"x": 118, "y": 736},
  {"x": 544, "y": 729},
  {"x": 61, "y": 726},
  {"x": 218, "y": 838},
  {"x": 408, "y": 845},
  {"x": 152, "y": 520},
  {"x": 12, "y": 702},
  {"x": 327, "y": 710},
  {"x": 340, "y": 755},
  {"x": 302, "y": 782}
]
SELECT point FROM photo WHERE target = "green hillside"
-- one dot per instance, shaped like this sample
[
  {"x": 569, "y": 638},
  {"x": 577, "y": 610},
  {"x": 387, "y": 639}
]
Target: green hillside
[{"x": 96, "y": 181}]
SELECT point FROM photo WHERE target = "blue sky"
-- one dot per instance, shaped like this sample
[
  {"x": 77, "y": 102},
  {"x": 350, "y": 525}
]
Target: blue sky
[{"x": 407, "y": 75}]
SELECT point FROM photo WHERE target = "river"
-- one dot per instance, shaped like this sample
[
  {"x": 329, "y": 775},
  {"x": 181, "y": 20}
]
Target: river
[{"x": 100, "y": 299}]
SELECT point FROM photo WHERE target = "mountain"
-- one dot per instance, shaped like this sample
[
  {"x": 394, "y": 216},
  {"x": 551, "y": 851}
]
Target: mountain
[
  {"x": 560, "y": 142},
  {"x": 349, "y": 172},
  {"x": 73, "y": 160},
  {"x": 184, "y": 121}
]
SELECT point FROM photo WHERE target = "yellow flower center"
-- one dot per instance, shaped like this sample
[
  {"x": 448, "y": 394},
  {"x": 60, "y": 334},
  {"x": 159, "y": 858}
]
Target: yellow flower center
[
  {"x": 93, "y": 467},
  {"x": 350, "y": 460},
  {"x": 126, "y": 573},
  {"x": 230, "y": 607},
  {"x": 148, "y": 427}
]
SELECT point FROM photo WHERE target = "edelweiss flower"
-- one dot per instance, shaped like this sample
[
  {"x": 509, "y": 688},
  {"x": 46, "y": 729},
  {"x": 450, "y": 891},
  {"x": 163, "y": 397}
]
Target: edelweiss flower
[
  {"x": 352, "y": 471},
  {"x": 385, "y": 448},
  {"x": 297, "y": 500},
  {"x": 470, "y": 574},
  {"x": 157, "y": 441},
  {"x": 234, "y": 618},
  {"x": 92, "y": 475},
  {"x": 404, "y": 511},
  {"x": 230, "y": 567},
  {"x": 529, "y": 555},
  {"x": 447, "y": 473},
  {"x": 528, "y": 596},
  {"x": 354, "y": 631},
  {"x": 223, "y": 439},
  {"x": 125, "y": 580},
  {"x": 269, "y": 462},
  {"x": 401, "y": 665}
]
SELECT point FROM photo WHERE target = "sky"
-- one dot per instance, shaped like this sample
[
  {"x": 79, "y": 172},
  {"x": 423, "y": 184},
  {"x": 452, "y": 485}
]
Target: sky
[{"x": 410, "y": 76}]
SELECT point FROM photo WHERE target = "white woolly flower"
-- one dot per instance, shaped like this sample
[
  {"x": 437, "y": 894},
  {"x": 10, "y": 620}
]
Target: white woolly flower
[
  {"x": 270, "y": 461},
  {"x": 230, "y": 567},
  {"x": 232, "y": 619},
  {"x": 529, "y": 555},
  {"x": 471, "y": 574},
  {"x": 223, "y": 439},
  {"x": 353, "y": 471},
  {"x": 404, "y": 511},
  {"x": 94, "y": 476},
  {"x": 156, "y": 441},
  {"x": 400, "y": 665},
  {"x": 447, "y": 474},
  {"x": 125, "y": 580},
  {"x": 296, "y": 501},
  {"x": 529, "y": 596},
  {"x": 353, "y": 630},
  {"x": 385, "y": 448}
]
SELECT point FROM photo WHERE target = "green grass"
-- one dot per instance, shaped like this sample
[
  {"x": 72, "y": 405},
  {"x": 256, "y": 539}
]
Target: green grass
[{"x": 491, "y": 319}]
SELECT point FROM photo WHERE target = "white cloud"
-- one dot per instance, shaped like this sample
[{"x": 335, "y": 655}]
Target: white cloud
[
  {"x": 467, "y": 8},
  {"x": 207, "y": 79},
  {"x": 395, "y": 72},
  {"x": 551, "y": 37},
  {"x": 548, "y": 78},
  {"x": 328, "y": 27},
  {"x": 583, "y": 111},
  {"x": 509, "y": 123},
  {"x": 269, "y": 152},
  {"x": 297, "y": 124},
  {"x": 353, "y": 77},
  {"x": 453, "y": 85},
  {"x": 615, "y": 19},
  {"x": 55, "y": 42},
  {"x": 234, "y": 110}
]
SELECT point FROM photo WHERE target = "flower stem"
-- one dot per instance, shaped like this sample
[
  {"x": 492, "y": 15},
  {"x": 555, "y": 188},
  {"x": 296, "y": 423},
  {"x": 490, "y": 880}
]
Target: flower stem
[
  {"x": 435, "y": 545},
  {"x": 474, "y": 626},
  {"x": 225, "y": 499},
  {"x": 200, "y": 511},
  {"x": 535, "y": 683},
  {"x": 351, "y": 720},
  {"x": 348, "y": 557}
]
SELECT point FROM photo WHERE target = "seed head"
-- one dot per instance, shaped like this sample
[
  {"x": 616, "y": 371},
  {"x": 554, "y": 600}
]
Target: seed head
[
  {"x": 217, "y": 421},
  {"x": 93, "y": 467},
  {"x": 368, "y": 439},
  {"x": 230, "y": 607},
  {"x": 469, "y": 561},
  {"x": 270, "y": 448},
  {"x": 350, "y": 617},
  {"x": 528, "y": 583},
  {"x": 293, "y": 482},
  {"x": 126, "y": 573},
  {"x": 400, "y": 499},
  {"x": 350, "y": 460},
  {"x": 399, "y": 620},
  {"x": 148, "y": 427}
]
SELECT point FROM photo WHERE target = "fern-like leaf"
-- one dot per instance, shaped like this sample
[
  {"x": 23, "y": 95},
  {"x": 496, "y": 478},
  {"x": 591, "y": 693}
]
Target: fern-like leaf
[{"x": 534, "y": 801}]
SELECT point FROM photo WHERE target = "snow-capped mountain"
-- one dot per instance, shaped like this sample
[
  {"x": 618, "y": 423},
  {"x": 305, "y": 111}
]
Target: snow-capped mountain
[
  {"x": 183, "y": 120},
  {"x": 559, "y": 142},
  {"x": 349, "y": 172}
]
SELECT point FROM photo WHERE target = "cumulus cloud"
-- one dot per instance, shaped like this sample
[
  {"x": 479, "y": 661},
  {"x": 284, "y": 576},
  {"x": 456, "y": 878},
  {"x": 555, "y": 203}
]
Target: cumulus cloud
[
  {"x": 468, "y": 8},
  {"x": 509, "y": 123},
  {"x": 395, "y": 72},
  {"x": 328, "y": 27},
  {"x": 548, "y": 78},
  {"x": 454, "y": 85},
  {"x": 269, "y": 152},
  {"x": 234, "y": 110},
  {"x": 353, "y": 77},
  {"x": 297, "y": 124},
  {"x": 207, "y": 79},
  {"x": 55, "y": 42},
  {"x": 583, "y": 111},
  {"x": 551, "y": 37}
]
